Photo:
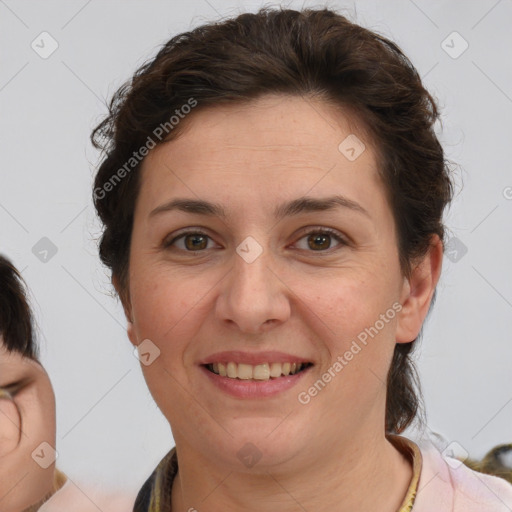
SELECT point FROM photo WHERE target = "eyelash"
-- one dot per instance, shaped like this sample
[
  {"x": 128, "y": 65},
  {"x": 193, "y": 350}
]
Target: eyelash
[{"x": 321, "y": 231}]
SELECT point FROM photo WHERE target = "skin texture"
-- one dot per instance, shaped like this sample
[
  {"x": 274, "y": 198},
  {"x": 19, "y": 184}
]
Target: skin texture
[
  {"x": 311, "y": 301},
  {"x": 25, "y": 423}
]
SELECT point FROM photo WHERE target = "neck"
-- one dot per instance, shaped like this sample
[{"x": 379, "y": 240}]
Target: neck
[{"x": 369, "y": 475}]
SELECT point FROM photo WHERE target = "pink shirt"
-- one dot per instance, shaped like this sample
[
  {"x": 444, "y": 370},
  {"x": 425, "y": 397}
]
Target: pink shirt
[
  {"x": 85, "y": 498},
  {"x": 447, "y": 485}
]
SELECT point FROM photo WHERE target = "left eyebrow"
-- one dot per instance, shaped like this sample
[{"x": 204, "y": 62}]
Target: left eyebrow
[{"x": 296, "y": 207}]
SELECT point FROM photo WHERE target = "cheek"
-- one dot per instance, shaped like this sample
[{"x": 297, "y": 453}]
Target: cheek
[
  {"x": 47, "y": 400},
  {"x": 348, "y": 303},
  {"x": 169, "y": 310},
  {"x": 10, "y": 425},
  {"x": 165, "y": 312},
  {"x": 355, "y": 321},
  {"x": 158, "y": 302}
]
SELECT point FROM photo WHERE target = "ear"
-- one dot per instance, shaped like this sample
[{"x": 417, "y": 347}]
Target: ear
[
  {"x": 417, "y": 292},
  {"x": 125, "y": 301}
]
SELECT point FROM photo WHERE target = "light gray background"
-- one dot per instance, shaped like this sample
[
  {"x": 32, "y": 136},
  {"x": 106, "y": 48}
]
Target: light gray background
[{"x": 109, "y": 429}]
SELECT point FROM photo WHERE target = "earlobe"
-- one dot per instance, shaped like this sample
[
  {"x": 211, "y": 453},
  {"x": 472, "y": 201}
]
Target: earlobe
[
  {"x": 125, "y": 301},
  {"x": 130, "y": 329},
  {"x": 418, "y": 291}
]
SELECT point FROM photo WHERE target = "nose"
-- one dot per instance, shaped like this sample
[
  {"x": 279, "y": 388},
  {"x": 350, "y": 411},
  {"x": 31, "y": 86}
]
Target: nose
[{"x": 253, "y": 297}]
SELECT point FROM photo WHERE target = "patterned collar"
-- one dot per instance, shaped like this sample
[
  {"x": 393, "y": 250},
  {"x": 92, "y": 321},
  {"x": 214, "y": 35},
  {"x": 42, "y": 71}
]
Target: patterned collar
[
  {"x": 155, "y": 494},
  {"x": 412, "y": 451}
]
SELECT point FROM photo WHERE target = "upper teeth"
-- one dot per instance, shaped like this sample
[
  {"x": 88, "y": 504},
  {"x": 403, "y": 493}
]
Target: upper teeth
[{"x": 259, "y": 372}]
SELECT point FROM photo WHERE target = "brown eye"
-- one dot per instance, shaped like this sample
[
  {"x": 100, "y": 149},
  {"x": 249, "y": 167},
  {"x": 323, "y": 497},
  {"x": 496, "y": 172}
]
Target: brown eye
[
  {"x": 192, "y": 241},
  {"x": 320, "y": 240},
  {"x": 195, "y": 242}
]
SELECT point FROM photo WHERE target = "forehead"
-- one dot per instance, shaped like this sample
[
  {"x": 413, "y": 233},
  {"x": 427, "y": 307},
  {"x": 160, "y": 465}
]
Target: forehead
[
  {"x": 276, "y": 145},
  {"x": 275, "y": 126}
]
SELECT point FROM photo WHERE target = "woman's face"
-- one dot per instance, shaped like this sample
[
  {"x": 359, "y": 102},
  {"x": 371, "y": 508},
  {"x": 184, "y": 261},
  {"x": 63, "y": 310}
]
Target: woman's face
[
  {"x": 255, "y": 287},
  {"x": 27, "y": 432}
]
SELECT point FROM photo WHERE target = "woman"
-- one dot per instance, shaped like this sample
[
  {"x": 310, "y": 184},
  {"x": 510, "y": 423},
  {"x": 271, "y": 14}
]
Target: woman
[
  {"x": 272, "y": 193},
  {"x": 29, "y": 480}
]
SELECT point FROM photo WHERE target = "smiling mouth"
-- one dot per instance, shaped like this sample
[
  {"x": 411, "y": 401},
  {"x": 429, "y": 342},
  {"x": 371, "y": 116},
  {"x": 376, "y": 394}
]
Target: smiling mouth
[{"x": 261, "y": 372}]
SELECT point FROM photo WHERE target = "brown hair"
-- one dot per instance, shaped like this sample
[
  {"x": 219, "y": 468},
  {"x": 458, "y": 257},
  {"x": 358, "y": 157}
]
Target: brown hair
[
  {"x": 311, "y": 53},
  {"x": 16, "y": 323}
]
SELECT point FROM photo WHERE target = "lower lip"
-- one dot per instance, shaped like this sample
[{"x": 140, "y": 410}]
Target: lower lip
[{"x": 252, "y": 388}]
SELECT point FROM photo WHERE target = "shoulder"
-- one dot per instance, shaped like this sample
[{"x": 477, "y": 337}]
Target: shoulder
[
  {"x": 488, "y": 492},
  {"x": 86, "y": 498},
  {"x": 446, "y": 484}
]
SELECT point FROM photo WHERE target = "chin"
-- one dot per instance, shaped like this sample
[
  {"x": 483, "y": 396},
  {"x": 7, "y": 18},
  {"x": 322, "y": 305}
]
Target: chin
[{"x": 260, "y": 445}]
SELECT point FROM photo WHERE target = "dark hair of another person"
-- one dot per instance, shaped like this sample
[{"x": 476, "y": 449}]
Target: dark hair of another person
[
  {"x": 16, "y": 323},
  {"x": 313, "y": 54}
]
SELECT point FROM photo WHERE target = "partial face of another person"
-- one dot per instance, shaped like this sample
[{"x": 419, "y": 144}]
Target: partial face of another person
[
  {"x": 27, "y": 427},
  {"x": 254, "y": 287}
]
